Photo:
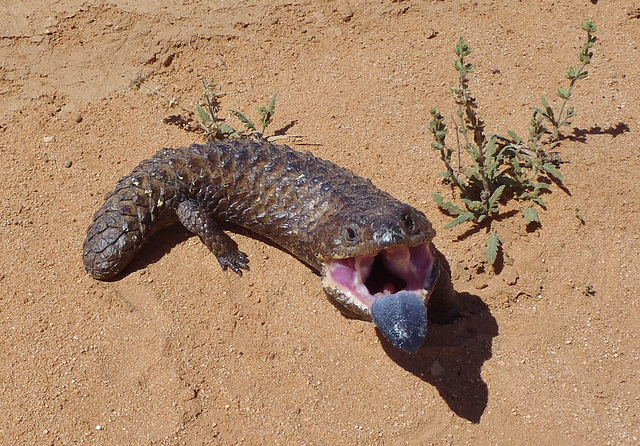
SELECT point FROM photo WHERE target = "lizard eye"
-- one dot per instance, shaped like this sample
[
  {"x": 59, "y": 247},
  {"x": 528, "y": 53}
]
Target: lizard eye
[{"x": 351, "y": 233}]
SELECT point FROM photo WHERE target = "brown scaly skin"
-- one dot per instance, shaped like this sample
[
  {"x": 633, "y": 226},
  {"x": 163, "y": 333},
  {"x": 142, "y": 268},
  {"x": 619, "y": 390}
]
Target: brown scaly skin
[{"x": 311, "y": 207}]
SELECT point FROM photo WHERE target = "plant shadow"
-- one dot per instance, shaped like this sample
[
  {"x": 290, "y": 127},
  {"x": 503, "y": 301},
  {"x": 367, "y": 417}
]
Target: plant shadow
[
  {"x": 452, "y": 356},
  {"x": 286, "y": 128},
  {"x": 486, "y": 225},
  {"x": 580, "y": 135}
]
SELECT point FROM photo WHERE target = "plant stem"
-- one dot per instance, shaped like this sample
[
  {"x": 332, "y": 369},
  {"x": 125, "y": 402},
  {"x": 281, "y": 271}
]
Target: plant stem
[
  {"x": 560, "y": 119},
  {"x": 469, "y": 120},
  {"x": 172, "y": 100}
]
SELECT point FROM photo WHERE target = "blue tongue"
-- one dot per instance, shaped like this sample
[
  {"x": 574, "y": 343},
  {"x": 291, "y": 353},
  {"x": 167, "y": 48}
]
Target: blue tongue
[{"x": 402, "y": 319}]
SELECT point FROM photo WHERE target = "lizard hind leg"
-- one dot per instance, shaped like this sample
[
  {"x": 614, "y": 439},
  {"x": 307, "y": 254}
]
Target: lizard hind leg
[{"x": 219, "y": 243}]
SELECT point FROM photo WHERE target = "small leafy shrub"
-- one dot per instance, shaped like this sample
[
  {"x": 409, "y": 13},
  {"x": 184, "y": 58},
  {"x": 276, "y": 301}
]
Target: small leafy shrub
[
  {"x": 207, "y": 113},
  {"x": 265, "y": 112},
  {"x": 501, "y": 168}
]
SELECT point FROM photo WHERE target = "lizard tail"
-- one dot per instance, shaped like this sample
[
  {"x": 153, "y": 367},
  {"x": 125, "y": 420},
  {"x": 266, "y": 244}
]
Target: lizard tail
[{"x": 128, "y": 216}]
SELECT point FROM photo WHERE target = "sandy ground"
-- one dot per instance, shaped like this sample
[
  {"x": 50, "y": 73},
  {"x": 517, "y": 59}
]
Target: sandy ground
[{"x": 179, "y": 352}]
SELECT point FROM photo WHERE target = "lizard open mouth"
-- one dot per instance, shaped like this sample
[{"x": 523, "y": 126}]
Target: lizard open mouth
[
  {"x": 390, "y": 288},
  {"x": 363, "y": 280}
]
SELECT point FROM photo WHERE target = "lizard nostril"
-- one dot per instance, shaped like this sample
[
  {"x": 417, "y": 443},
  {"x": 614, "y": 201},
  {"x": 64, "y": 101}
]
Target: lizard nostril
[{"x": 409, "y": 223}]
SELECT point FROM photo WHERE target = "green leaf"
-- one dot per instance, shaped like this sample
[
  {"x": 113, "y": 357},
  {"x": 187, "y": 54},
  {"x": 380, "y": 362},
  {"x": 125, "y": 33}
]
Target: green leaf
[
  {"x": 542, "y": 112},
  {"x": 272, "y": 104},
  {"x": 515, "y": 164},
  {"x": 589, "y": 26},
  {"x": 514, "y": 136},
  {"x": 507, "y": 181},
  {"x": 226, "y": 129},
  {"x": 493, "y": 245},
  {"x": 439, "y": 199},
  {"x": 266, "y": 113},
  {"x": 573, "y": 73},
  {"x": 495, "y": 197},
  {"x": 539, "y": 187},
  {"x": 492, "y": 170},
  {"x": 548, "y": 110},
  {"x": 579, "y": 216},
  {"x": 470, "y": 172},
  {"x": 540, "y": 201},
  {"x": 490, "y": 149},
  {"x": 530, "y": 215},
  {"x": 545, "y": 104},
  {"x": 468, "y": 216},
  {"x": 564, "y": 94},
  {"x": 463, "y": 48},
  {"x": 204, "y": 116},
  {"x": 247, "y": 123},
  {"x": 447, "y": 206},
  {"x": 552, "y": 170},
  {"x": 473, "y": 206},
  {"x": 585, "y": 57},
  {"x": 209, "y": 88}
]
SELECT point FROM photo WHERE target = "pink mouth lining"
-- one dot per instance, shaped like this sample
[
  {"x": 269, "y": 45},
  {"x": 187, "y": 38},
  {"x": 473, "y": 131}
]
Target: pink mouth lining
[{"x": 366, "y": 279}]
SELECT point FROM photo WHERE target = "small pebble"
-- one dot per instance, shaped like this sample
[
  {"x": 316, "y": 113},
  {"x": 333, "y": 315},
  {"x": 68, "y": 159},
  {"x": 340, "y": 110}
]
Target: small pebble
[
  {"x": 430, "y": 33},
  {"x": 167, "y": 61},
  {"x": 510, "y": 275},
  {"x": 345, "y": 11},
  {"x": 48, "y": 139},
  {"x": 460, "y": 273},
  {"x": 67, "y": 163}
]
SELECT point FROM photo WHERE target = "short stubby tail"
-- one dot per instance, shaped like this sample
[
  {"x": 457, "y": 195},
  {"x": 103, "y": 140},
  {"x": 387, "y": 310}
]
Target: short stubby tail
[{"x": 118, "y": 229}]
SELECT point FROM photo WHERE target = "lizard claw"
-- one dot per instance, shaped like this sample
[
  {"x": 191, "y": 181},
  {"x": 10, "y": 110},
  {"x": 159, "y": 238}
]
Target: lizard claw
[{"x": 236, "y": 260}]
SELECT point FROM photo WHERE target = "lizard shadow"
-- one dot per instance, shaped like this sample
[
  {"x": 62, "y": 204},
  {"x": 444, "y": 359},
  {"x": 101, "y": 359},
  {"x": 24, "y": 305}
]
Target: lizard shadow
[
  {"x": 450, "y": 359},
  {"x": 159, "y": 244},
  {"x": 452, "y": 356},
  {"x": 162, "y": 242}
]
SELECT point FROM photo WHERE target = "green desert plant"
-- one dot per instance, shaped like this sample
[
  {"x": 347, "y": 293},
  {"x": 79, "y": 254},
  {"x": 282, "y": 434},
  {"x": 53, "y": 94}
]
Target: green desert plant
[
  {"x": 207, "y": 112},
  {"x": 266, "y": 112},
  {"x": 212, "y": 125},
  {"x": 574, "y": 75},
  {"x": 501, "y": 168}
]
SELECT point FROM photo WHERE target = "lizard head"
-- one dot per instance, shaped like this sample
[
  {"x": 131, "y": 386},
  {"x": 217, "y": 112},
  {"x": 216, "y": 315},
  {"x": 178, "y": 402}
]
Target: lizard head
[{"x": 383, "y": 268}]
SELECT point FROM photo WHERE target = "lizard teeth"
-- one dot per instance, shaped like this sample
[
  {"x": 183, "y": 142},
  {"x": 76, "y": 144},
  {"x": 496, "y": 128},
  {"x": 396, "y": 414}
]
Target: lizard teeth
[{"x": 359, "y": 282}]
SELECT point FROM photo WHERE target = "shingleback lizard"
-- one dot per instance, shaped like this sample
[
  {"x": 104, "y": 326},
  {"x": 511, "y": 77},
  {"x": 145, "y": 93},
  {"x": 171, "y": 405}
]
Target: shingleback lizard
[{"x": 374, "y": 253}]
